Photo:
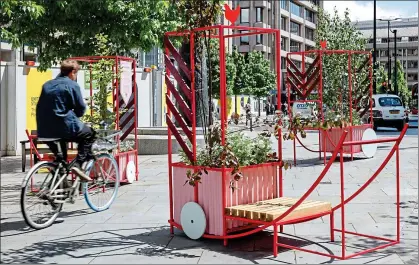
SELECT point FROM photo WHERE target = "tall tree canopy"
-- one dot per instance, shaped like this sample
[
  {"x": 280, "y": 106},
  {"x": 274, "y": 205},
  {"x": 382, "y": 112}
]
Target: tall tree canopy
[
  {"x": 340, "y": 34},
  {"x": 65, "y": 28}
]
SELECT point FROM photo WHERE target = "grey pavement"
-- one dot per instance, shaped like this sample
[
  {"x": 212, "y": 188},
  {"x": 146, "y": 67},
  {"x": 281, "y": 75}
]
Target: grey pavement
[{"x": 135, "y": 229}]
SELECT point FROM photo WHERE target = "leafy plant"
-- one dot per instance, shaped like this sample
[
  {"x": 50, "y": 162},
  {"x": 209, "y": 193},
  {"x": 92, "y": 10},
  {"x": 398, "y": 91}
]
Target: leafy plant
[
  {"x": 403, "y": 90},
  {"x": 238, "y": 151},
  {"x": 102, "y": 76}
]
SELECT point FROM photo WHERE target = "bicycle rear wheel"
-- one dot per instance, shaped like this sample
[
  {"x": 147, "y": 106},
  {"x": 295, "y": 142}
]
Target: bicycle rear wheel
[
  {"x": 38, "y": 207},
  {"x": 102, "y": 190}
]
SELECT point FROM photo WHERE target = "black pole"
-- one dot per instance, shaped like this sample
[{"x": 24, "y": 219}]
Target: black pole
[
  {"x": 389, "y": 56},
  {"x": 374, "y": 54},
  {"x": 395, "y": 62}
]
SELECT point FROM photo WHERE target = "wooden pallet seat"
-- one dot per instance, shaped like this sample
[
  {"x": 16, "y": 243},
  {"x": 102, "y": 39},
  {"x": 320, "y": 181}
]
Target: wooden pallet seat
[{"x": 269, "y": 210}]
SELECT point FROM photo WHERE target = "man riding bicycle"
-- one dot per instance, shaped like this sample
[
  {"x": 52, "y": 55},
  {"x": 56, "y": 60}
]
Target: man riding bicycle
[{"x": 57, "y": 116}]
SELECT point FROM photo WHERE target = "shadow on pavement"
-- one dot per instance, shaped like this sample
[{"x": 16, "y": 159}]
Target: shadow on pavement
[{"x": 159, "y": 243}]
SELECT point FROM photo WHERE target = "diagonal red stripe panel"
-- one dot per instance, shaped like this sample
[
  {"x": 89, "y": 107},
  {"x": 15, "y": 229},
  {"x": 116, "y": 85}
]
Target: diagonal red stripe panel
[
  {"x": 181, "y": 63},
  {"x": 127, "y": 132},
  {"x": 186, "y": 111},
  {"x": 179, "y": 118},
  {"x": 185, "y": 89},
  {"x": 179, "y": 139}
]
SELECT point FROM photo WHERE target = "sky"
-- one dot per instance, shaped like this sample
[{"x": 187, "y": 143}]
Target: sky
[{"x": 363, "y": 10}]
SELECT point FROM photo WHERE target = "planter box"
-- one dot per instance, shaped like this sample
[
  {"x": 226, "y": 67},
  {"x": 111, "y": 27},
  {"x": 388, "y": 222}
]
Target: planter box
[
  {"x": 331, "y": 138},
  {"x": 259, "y": 182},
  {"x": 123, "y": 159}
]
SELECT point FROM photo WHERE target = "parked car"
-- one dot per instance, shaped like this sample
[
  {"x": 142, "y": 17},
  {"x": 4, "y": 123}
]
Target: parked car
[{"x": 388, "y": 111}]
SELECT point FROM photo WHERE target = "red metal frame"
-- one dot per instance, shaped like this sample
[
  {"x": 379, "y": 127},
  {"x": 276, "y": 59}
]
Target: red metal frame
[
  {"x": 307, "y": 86},
  {"x": 116, "y": 105},
  {"x": 255, "y": 225}
]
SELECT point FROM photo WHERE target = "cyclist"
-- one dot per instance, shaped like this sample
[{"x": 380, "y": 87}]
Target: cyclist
[{"x": 57, "y": 116}]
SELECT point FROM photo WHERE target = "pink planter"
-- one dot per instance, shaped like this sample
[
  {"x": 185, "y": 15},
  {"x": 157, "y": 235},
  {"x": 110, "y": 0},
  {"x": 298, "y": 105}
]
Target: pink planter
[
  {"x": 331, "y": 138},
  {"x": 259, "y": 182},
  {"x": 123, "y": 159}
]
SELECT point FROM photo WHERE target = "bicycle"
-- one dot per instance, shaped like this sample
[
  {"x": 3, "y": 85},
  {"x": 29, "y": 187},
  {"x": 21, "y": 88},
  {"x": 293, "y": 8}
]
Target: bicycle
[{"x": 56, "y": 189}]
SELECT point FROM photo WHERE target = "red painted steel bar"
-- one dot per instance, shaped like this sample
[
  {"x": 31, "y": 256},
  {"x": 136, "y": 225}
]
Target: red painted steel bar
[
  {"x": 378, "y": 171},
  {"x": 169, "y": 154},
  {"x": 350, "y": 100},
  {"x": 278, "y": 97},
  {"x": 308, "y": 251},
  {"x": 193, "y": 104},
  {"x": 332, "y": 226},
  {"x": 342, "y": 200},
  {"x": 370, "y": 250},
  {"x": 223, "y": 95},
  {"x": 398, "y": 192},
  {"x": 365, "y": 235}
]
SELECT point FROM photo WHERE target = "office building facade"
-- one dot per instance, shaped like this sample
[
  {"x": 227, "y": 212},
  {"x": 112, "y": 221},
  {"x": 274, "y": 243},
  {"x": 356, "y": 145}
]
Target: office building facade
[
  {"x": 296, "y": 20},
  {"x": 407, "y": 44}
]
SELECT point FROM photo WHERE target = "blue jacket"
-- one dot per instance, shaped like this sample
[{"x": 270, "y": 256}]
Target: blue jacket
[{"x": 59, "y": 108}]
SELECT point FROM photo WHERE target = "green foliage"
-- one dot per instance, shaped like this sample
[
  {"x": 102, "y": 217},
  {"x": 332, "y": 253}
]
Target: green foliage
[
  {"x": 102, "y": 77},
  {"x": 340, "y": 34},
  {"x": 403, "y": 91},
  {"x": 214, "y": 66},
  {"x": 242, "y": 81},
  {"x": 262, "y": 78},
  {"x": 17, "y": 10},
  {"x": 64, "y": 28},
  {"x": 380, "y": 76}
]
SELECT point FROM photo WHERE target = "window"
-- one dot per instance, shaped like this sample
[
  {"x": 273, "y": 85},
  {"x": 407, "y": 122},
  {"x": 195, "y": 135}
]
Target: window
[
  {"x": 309, "y": 34},
  {"x": 389, "y": 102},
  {"x": 244, "y": 40},
  {"x": 283, "y": 44},
  {"x": 259, "y": 14},
  {"x": 411, "y": 52},
  {"x": 295, "y": 28},
  {"x": 297, "y": 63},
  {"x": 413, "y": 38},
  {"x": 284, "y": 4},
  {"x": 310, "y": 15},
  {"x": 244, "y": 15},
  {"x": 284, "y": 23},
  {"x": 412, "y": 64},
  {"x": 283, "y": 63},
  {"x": 295, "y": 46},
  {"x": 309, "y": 48},
  {"x": 371, "y": 41},
  {"x": 259, "y": 39},
  {"x": 296, "y": 9}
]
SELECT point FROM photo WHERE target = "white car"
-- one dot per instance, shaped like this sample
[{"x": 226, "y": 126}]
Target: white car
[{"x": 388, "y": 111}]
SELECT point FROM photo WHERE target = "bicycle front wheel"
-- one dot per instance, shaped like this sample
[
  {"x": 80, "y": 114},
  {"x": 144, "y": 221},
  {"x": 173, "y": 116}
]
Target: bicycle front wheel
[
  {"x": 102, "y": 190},
  {"x": 36, "y": 202}
]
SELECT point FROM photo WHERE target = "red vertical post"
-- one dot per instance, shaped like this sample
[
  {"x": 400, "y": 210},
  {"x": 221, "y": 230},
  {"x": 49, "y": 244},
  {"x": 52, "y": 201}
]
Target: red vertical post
[
  {"x": 350, "y": 101},
  {"x": 169, "y": 149},
  {"x": 332, "y": 226},
  {"x": 134, "y": 87},
  {"x": 370, "y": 77},
  {"x": 193, "y": 103},
  {"x": 320, "y": 89},
  {"x": 278, "y": 92},
  {"x": 223, "y": 95},
  {"x": 342, "y": 201},
  {"x": 117, "y": 99},
  {"x": 398, "y": 191},
  {"x": 91, "y": 90},
  {"x": 275, "y": 238}
]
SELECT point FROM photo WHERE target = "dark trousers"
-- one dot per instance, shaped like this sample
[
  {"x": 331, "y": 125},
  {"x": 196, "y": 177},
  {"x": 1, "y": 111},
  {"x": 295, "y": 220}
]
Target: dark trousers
[{"x": 84, "y": 139}]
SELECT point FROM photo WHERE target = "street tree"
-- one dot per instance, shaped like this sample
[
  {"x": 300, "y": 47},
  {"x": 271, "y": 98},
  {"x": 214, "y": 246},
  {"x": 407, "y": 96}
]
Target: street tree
[
  {"x": 262, "y": 79},
  {"x": 62, "y": 29},
  {"x": 402, "y": 88},
  {"x": 242, "y": 79},
  {"x": 341, "y": 34}
]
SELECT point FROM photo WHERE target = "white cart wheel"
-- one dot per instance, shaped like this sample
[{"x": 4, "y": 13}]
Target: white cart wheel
[
  {"x": 193, "y": 220},
  {"x": 130, "y": 172},
  {"x": 369, "y": 150}
]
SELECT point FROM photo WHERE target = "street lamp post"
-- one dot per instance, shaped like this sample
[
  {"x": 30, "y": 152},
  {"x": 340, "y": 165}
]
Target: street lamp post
[
  {"x": 388, "y": 49},
  {"x": 396, "y": 90}
]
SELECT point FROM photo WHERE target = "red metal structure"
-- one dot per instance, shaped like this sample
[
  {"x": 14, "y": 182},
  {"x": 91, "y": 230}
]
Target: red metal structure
[
  {"x": 126, "y": 112},
  {"x": 302, "y": 82},
  {"x": 260, "y": 182}
]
